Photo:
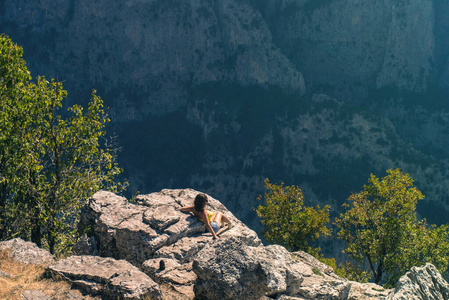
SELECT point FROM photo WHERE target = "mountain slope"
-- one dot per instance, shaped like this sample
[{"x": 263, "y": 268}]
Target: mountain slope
[{"x": 219, "y": 95}]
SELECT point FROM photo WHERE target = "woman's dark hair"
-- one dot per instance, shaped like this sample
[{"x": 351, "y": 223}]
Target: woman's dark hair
[{"x": 200, "y": 202}]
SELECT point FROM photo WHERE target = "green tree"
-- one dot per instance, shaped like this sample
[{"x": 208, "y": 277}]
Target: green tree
[
  {"x": 14, "y": 78},
  {"x": 51, "y": 159},
  {"x": 288, "y": 222},
  {"x": 380, "y": 227}
]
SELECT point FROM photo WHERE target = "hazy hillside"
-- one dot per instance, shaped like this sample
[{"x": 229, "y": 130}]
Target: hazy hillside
[{"x": 218, "y": 95}]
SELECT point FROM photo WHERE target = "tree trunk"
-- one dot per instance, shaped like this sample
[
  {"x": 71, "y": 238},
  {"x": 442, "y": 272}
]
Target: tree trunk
[
  {"x": 51, "y": 237},
  {"x": 3, "y": 225},
  {"x": 36, "y": 235},
  {"x": 378, "y": 275}
]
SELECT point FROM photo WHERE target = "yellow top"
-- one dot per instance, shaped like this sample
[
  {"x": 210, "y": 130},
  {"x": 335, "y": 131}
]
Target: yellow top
[{"x": 209, "y": 216}]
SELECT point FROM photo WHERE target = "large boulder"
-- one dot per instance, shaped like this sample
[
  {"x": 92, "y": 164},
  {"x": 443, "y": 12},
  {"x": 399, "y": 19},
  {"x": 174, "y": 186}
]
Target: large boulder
[
  {"x": 135, "y": 232},
  {"x": 107, "y": 277},
  {"x": 230, "y": 269},
  {"x": 421, "y": 283},
  {"x": 27, "y": 252},
  {"x": 154, "y": 230}
]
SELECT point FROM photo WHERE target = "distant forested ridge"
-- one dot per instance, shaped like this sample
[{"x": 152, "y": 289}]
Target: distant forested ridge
[{"x": 218, "y": 96}]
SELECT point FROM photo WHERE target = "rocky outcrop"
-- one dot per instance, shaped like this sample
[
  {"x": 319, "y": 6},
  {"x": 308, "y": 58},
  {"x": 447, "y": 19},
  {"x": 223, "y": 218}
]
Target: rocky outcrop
[
  {"x": 138, "y": 232},
  {"x": 27, "y": 252},
  {"x": 189, "y": 264},
  {"x": 421, "y": 283},
  {"x": 230, "y": 269},
  {"x": 107, "y": 277},
  {"x": 154, "y": 230},
  {"x": 175, "y": 278}
]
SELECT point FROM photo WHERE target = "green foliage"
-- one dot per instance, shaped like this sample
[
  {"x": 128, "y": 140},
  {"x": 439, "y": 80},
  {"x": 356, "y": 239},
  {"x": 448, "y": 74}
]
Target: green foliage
[
  {"x": 288, "y": 221},
  {"x": 50, "y": 160},
  {"x": 380, "y": 227},
  {"x": 353, "y": 272},
  {"x": 317, "y": 272},
  {"x": 15, "y": 100},
  {"x": 350, "y": 271}
]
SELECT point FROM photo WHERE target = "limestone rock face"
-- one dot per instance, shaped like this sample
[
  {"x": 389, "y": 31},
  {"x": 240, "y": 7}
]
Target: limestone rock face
[
  {"x": 27, "y": 252},
  {"x": 135, "y": 232},
  {"x": 171, "y": 257},
  {"x": 107, "y": 277},
  {"x": 423, "y": 283},
  {"x": 380, "y": 43},
  {"x": 186, "y": 262},
  {"x": 152, "y": 46},
  {"x": 156, "y": 48},
  {"x": 155, "y": 230},
  {"x": 230, "y": 269}
]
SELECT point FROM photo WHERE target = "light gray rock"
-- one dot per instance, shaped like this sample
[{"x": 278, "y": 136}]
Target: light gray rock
[
  {"x": 27, "y": 252},
  {"x": 4, "y": 274},
  {"x": 175, "y": 279},
  {"x": 170, "y": 271},
  {"x": 183, "y": 250},
  {"x": 119, "y": 228},
  {"x": 367, "y": 291},
  {"x": 421, "y": 283},
  {"x": 155, "y": 229},
  {"x": 34, "y": 295},
  {"x": 107, "y": 277},
  {"x": 85, "y": 246},
  {"x": 230, "y": 269},
  {"x": 135, "y": 232},
  {"x": 313, "y": 263},
  {"x": 320, "y": 282},
  {"x": 284, "y": 297}
]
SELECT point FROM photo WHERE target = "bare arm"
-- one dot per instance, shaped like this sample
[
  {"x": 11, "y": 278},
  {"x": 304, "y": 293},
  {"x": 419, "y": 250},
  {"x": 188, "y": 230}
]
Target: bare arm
[
  {"x": 211, "y": 231},
  {"x": 187, "y": 209}
]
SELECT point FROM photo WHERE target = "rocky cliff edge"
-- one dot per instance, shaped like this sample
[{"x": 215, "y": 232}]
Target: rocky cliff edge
[{"x": 152, "y": 250}]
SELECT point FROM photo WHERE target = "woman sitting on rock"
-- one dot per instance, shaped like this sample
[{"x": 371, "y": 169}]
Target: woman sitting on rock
[{"x": 211, "y": 220}]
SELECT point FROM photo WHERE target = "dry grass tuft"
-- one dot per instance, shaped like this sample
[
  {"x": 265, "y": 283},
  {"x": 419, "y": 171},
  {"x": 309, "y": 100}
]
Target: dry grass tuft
[{"x": 28, "y": 277}]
